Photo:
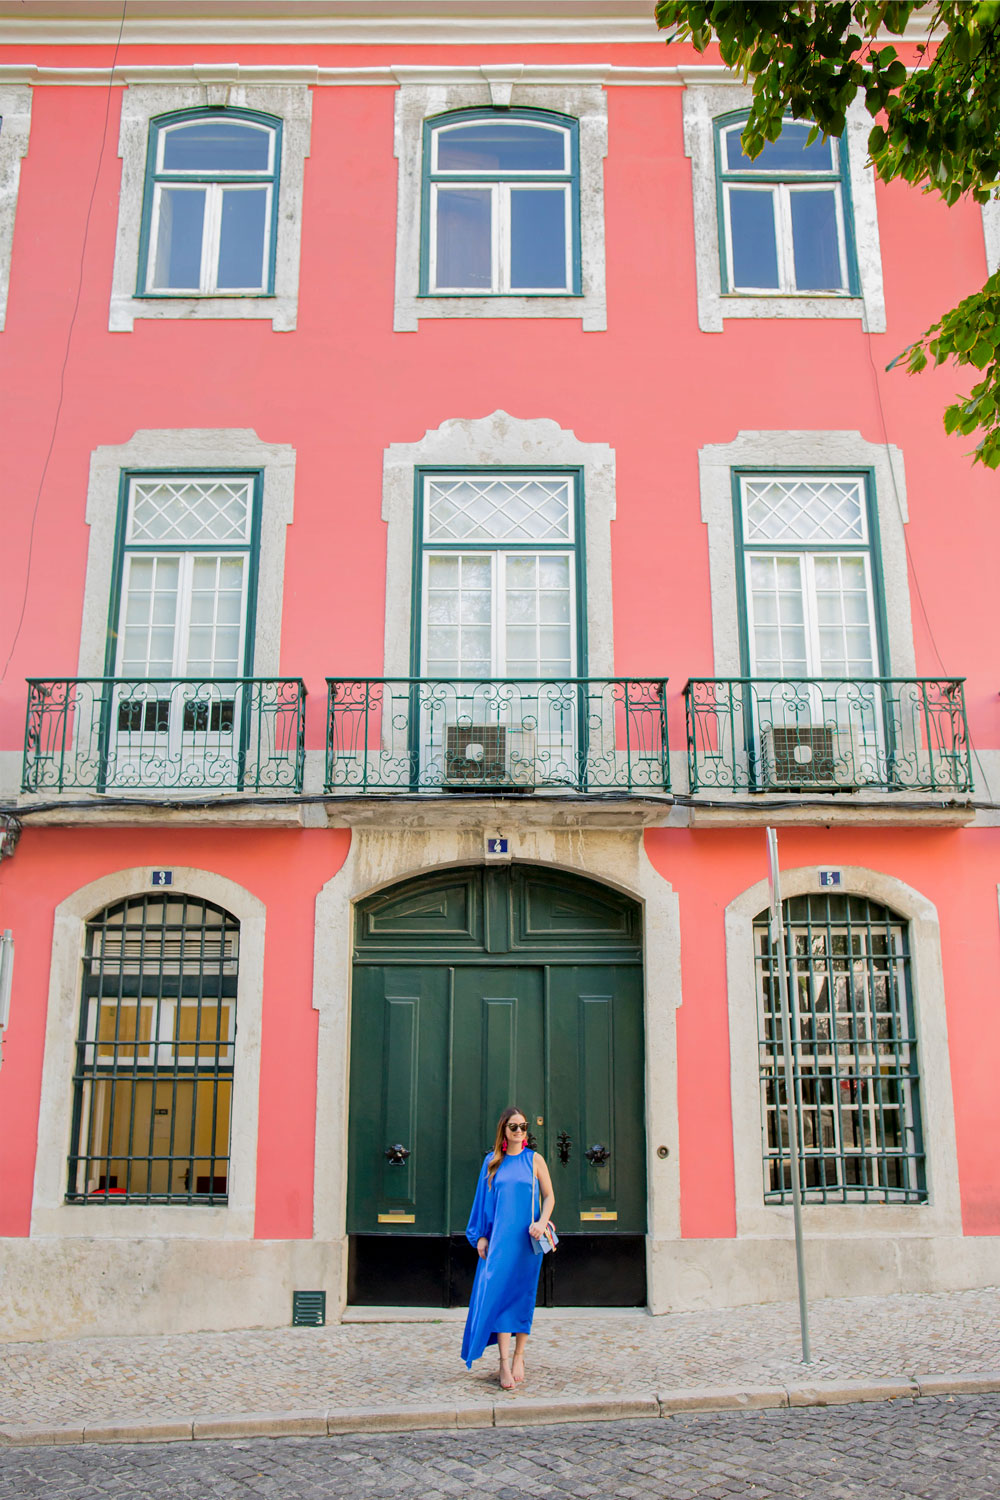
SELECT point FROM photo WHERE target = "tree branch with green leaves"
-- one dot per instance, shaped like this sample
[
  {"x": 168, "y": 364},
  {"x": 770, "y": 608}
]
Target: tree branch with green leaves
[{"x": 936, "y": 126}]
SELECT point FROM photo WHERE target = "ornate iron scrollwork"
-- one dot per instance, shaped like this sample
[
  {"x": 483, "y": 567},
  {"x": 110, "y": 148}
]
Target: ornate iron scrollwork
[
  {"x": 597, "y": 1155},
  {"x": 563, "y": 1145},
  {"x": 396, "y": 1155},
  {"x": 531, "y": 1141}
]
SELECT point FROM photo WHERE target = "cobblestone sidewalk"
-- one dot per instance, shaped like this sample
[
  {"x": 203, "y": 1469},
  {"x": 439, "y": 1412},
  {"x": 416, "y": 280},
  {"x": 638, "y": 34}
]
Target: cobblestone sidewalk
[{"x": 394, "y": 1375}]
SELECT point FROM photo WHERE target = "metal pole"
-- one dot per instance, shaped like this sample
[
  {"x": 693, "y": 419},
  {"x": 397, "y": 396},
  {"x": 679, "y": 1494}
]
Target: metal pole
[{"x": 791, "y": 1095}]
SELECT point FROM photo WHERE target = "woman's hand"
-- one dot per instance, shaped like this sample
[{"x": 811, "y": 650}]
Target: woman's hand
[
  {"x": 482, "y": 1245},
  {"x": 536, "y": 1230}
]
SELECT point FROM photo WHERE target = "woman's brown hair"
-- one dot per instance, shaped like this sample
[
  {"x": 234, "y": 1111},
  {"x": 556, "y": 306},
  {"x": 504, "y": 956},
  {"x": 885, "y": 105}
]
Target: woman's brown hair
[{"x": 498, "y": 1144}]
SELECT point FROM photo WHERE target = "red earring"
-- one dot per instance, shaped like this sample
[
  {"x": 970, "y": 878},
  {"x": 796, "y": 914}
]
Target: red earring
[{"x": 503, "y": 1147}]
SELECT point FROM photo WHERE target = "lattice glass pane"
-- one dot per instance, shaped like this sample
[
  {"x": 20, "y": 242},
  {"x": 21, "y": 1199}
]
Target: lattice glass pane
[
  {"x": 796, "y": 509},
  {"x": 507, "y": 508},
  {"x": 189, "y": 510}
]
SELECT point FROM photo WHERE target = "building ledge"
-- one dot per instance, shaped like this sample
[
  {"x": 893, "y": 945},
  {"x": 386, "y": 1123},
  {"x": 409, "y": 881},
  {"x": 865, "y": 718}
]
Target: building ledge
[{"x": 872, "y": 810}]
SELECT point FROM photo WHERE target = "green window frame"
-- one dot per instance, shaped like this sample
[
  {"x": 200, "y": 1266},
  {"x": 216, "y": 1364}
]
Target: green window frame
[
  {"x": 490, "y": 228},
  {"x": 155, "y": 1052},
  {"x": 854, "y": 1054},
  {"x": 209, "y": 228},
  {"x": 786, "y": 226},
  {"x": 572, "y": 542},
  {"x": 210, "y": 486},
  {"x": 855, "y": 538}
]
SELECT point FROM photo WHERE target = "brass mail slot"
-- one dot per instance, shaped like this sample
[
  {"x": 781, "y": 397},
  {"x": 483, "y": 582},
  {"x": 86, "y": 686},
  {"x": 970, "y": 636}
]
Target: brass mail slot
[
  {"x": 397, "y": 1218},
  {"x": 600, "y": 1213}
]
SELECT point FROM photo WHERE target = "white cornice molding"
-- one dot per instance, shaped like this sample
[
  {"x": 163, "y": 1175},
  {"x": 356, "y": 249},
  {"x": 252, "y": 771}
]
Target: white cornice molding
[{"x": 388, "y": 74}]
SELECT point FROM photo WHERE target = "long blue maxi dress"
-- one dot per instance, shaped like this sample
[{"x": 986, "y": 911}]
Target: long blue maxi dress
[{"x": 506, "y": 1284}]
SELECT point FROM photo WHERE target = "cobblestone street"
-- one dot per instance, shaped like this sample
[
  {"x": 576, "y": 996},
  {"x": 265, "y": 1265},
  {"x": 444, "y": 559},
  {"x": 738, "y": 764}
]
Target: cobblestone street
[{"x": 935, "y": 1449}]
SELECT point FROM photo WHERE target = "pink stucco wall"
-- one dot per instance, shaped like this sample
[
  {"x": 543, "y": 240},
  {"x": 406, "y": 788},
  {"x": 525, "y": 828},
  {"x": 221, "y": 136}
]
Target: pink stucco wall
[{"x": 340, "y": 389}]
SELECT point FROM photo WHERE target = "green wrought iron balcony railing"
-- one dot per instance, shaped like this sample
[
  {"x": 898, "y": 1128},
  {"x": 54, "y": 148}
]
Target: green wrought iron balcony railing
[
  {"x": 123, "y": 734},
  {"x": 420, "y": 734},
  {"x": 828, "y": 734}
]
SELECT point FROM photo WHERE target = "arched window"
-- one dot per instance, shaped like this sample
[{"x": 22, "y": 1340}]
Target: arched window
[
  {"x": 854, "y": 1052},
  {"x": 210, "y": 204},
  {"x": 785, "y": 214},
  {"x": 154, "y": 1058},
  {"x": 501, "y": 204}
]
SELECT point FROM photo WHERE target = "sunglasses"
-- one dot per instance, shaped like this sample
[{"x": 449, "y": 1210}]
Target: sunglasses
[{"x": 520, "y": 1129}]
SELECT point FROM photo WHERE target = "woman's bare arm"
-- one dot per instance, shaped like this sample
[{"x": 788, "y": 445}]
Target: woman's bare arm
[{"x": 537, "y": 1229}]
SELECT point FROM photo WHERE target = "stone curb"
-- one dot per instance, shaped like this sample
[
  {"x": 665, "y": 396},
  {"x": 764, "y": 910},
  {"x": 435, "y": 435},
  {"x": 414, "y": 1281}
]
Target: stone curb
[{"x": 512, "y": 1413}]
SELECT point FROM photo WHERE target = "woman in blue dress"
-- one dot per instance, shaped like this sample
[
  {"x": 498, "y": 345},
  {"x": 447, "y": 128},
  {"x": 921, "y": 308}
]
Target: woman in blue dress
[{"x": 502, "y": 1225}]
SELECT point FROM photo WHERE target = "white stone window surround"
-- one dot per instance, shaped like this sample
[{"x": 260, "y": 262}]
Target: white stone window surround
[
  {"x": 499, "y": 441},
  {"x": 15, "y": 127},
  {"x": 193, "y": 449},
  {"x": 418, "y": 102},
  {"x": 51, "y": 1214},
  {"x": 379, "y": 858},
  {"x": 941, "y": 1214},
  {"x": 703, "y": 104},
  {"x": 991, "y": 234},
  {"x": 805, "y": 451},
  {"x": 292, "y": 104}
]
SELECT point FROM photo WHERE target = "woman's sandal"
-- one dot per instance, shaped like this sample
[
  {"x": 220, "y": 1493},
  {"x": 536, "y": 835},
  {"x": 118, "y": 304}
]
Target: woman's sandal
[
  {"x": 512, "y": 1381},
  {"x": 518, "y": 1379}
]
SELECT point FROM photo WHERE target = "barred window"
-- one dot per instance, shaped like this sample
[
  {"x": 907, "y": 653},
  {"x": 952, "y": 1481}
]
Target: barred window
[
  {"x": 854, "y": 1054},
  {"x": 154, "y": 1073}
]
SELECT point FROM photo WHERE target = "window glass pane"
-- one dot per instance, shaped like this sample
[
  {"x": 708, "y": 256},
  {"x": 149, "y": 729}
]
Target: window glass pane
[
  {"x": 754, "y": 247},
  {"x": 216, "y": 613},
  {"x": 150, "y": 615},
  {"x": 815, "y": 240},
  {"x": 180, "y": 225},
  {"x": 537, "y": 238},
  {"x": 189, "y": 510},
  {"x": 789, "y": 153},
  {"x": 778, "y": 646},
  {"x": 216, "y": 146},
  {"x": 846, "y": 645},
  {"x": 532, "y": 508},
  {"x": 501, "y": 146},
  {"x": 795, "y": 509},
  {"x": 244, "y": 230},
  {"x": 464, "y": 239}
]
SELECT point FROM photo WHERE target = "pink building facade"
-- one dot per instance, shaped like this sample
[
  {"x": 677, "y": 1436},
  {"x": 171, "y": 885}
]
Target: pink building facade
[{"x": 453, "y": 503}]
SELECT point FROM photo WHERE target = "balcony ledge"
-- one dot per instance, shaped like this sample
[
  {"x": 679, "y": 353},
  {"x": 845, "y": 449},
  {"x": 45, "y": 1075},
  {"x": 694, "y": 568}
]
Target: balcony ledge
[{"x": 841, "y": 809}]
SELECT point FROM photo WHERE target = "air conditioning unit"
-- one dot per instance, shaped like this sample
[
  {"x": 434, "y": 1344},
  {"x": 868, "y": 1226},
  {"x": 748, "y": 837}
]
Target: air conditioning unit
[
  {"x": 489, "y": 757},
  {"x": 803, "y": 757}
]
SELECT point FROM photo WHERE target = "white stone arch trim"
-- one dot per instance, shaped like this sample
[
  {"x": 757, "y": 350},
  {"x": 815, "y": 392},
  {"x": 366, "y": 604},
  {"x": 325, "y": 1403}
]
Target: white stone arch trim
[
  {"x": 941, "y": 1214},
  {"x": 15, "y": 127},
  {"x": 703, "y": 104},
  {"x": 379, "y": 859},
  {"x": 584, "y": 102},
  {"x": 292, "y": 104},
  {"x": 819, "y": 451},
  {"x": 50, "y": 1214},
  {"x": 188, "y": 448},
  {"x": 499, "y": 440}
]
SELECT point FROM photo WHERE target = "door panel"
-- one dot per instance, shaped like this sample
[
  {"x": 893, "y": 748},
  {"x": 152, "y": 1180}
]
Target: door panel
[
  {"x": 499, "y": 1053},
  {"x": 399, "y": 1040},
  {"x": 596, "y": 1097}
]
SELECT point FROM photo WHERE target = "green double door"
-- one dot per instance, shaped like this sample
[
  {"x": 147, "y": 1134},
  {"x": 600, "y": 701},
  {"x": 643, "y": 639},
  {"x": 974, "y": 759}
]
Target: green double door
[{"x": 474, "y": 990}]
